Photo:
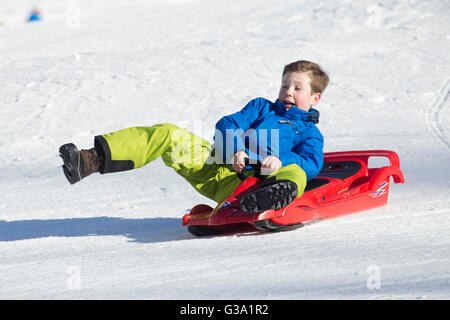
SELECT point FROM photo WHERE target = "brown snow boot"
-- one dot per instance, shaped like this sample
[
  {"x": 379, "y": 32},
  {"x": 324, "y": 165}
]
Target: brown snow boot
[{"x": 79, "y": 164}]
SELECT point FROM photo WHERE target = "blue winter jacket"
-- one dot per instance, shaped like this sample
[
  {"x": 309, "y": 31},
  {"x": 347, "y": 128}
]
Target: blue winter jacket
[{"x": 265, "y": 128}]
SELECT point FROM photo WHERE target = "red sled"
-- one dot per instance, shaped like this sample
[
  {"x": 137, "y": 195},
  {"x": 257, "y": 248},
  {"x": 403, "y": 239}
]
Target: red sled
[{"x": 344, "y": 185}]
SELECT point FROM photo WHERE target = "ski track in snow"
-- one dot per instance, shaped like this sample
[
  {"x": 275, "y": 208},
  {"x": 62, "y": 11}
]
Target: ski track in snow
[
  {"x": 439, "y": 114},
  {"x": 119, "y": 236}
]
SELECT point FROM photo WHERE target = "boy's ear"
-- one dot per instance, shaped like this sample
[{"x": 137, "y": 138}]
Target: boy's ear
[{"x": 316, "y": 98}]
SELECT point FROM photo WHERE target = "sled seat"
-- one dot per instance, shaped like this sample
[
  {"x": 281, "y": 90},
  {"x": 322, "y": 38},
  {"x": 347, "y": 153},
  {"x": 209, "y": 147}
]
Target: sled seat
[
  {"x": 339, "y": 169},
  {"x": 336, "y": 170}
]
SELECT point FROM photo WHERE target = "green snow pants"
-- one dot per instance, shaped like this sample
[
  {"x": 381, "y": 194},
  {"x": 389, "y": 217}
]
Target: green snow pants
[{"x": 189, "y": 155}]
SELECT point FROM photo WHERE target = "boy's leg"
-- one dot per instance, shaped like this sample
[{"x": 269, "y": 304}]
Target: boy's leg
[
  {"x": 132, "y": 148},
  {"x": 277, "y": 191},
  {"x": 122, "y": 150}
]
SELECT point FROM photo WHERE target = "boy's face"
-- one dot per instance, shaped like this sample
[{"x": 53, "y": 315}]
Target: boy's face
[{"x": 296, "y": 90}]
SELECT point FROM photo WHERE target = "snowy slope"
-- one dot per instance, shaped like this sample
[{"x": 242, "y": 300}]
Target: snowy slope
[{"x": 92, "y": 67}]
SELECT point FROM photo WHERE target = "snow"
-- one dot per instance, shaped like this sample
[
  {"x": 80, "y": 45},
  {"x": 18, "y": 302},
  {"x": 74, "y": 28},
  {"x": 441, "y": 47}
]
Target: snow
[{"x": 92, "y": 67}]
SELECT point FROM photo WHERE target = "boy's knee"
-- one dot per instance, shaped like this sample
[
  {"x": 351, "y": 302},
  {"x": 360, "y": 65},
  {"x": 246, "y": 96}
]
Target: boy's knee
[
  {"x": 168, "y": 128},
  {"x": 293, "y": 173}
]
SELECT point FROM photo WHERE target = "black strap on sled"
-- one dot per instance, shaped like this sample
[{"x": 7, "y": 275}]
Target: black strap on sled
[{"x": 256, "y": 166}]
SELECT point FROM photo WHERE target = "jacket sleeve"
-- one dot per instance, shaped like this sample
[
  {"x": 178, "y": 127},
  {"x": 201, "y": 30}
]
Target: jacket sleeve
[
  {"x": 229, "y": 129},
  {"x": 308, "y": 155}
]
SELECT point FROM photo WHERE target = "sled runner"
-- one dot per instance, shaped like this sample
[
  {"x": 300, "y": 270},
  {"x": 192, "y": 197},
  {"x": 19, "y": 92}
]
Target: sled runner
[{"x": 344, "y": 185}]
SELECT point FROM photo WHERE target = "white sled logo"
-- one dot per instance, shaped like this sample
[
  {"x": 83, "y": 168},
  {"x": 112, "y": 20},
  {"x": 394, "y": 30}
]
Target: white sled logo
[{"x": 380, "y": 191}]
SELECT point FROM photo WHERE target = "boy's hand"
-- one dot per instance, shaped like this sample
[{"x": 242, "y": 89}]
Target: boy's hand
[
  {"x": 239, "y": 161},
  {"x": 271, "y": 164}
]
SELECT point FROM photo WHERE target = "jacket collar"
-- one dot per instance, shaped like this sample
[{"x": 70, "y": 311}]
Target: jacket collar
[{"x": 295, "y": 113}]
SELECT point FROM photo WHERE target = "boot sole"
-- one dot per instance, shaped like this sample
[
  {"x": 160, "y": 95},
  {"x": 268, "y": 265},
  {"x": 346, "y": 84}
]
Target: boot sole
[
  {"x": 72, "y": 162},
  {"x": 272, "y": 197}
]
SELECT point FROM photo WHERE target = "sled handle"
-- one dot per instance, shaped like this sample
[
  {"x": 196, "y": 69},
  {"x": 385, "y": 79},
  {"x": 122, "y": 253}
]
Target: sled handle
[
  {"x": 365, "y": 155},
  {"x": 381, "y": 174},
  {"x": 256, "y": 166}
]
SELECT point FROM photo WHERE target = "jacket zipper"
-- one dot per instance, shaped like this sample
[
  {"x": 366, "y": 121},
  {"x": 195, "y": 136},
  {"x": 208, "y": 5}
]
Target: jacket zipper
[{"x": 292, "y": 125}]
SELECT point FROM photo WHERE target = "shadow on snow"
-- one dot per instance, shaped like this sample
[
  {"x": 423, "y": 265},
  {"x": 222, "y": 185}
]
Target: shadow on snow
[{"x": 149, "y": 230}]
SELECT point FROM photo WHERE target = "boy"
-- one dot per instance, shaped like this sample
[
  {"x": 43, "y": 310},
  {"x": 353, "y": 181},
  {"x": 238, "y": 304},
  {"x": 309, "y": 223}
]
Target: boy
[{"x": 281, "y": 135}]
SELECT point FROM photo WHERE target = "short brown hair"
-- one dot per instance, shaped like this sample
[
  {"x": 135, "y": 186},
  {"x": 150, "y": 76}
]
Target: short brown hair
[{"x": 319, "y": 78}]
